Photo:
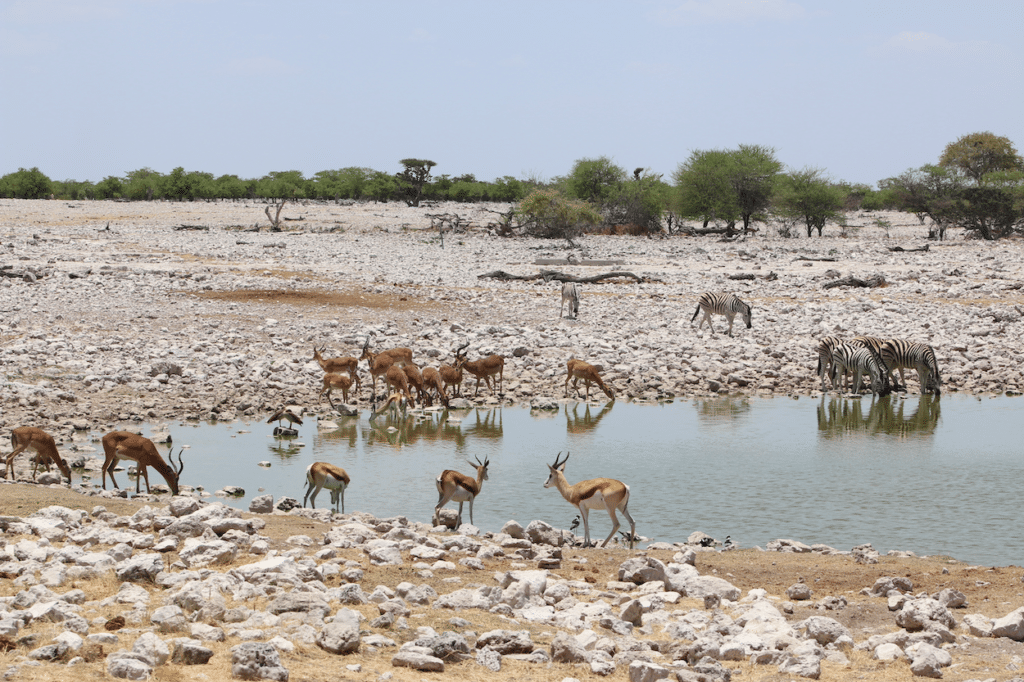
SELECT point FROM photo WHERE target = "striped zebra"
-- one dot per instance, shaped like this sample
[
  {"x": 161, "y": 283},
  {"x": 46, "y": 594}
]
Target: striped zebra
[
  {"x": 720, "y": 304},
  {"x": 875, "y": 344},
  {"x": 862, "y": 362},
  {"x": 900, "y": 354},
  {"x": 826, "y": 345},
  {"x": 570, "y": 293}
]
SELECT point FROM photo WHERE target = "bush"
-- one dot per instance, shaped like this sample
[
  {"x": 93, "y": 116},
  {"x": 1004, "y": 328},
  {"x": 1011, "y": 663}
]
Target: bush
[{"x": 547, "y": 213}]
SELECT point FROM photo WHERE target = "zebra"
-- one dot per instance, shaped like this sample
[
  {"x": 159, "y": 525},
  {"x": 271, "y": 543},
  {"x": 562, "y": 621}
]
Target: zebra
[
  {"x": 826, "y": 346},
  {"x": 570, "y": 293},
  {"x": 900, "y": 354},
  {"x": 861, "y": 361},
  {"x": 875, "y": 344},
  {"x": 720, "y": 304}
]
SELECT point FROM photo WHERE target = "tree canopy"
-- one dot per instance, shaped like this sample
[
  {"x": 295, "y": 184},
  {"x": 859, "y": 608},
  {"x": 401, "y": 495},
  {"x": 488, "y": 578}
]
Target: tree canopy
[{"x": 978, "y": 154}]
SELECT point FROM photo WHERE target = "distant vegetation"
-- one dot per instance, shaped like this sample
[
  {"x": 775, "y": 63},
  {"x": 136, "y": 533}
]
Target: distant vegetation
[{"x": 977, "y": 184}]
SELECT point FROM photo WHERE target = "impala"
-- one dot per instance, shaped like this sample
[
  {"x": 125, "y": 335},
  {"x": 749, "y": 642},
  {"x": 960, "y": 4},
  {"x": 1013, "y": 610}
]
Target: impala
[
  {"x": 336, "y": 365},
  {"x": 452, "y": 375},
  {"x": 379, "y": 363},
  {"x": 118, "y": 445},
  {"x": 321, "y": 475},
  {"x": 485, "y": 368},
  {"x": 398, "y": 382},
  {"x": 597, "y": 493},
  {"x": 415, "y": 378},
  {"x": 451, "y": 485},
  {"x": 30, "y": 438},
  {"x": 396, "y": 401},
  {"x": 577, "y": 369},
  {"x": 341, "y": 382},
  {"x": 432, "y": 381}
]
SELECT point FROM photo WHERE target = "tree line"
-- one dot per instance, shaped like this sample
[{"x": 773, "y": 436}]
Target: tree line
[{"x": 977, "y": 184}]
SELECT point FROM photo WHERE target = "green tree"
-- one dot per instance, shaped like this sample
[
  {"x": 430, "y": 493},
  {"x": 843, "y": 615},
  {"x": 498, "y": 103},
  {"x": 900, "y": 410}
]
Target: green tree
[
  {"x": 26, "y": 184},
  {"x": 639, "y": 202},
  {"x": 230, "y": 187},
  {"x": 142, "y": 184},
  {"x": 703, "y": 187},
  {"x": 381, "y": 186},
  {"x": 809, "y": 196},
  {"x": 978, "y": 154},
  {"x": 182, "y": 186},
  {"x": 508, "y": 188},
  {"x": 73, "y": 189},
  {"x": 595, "y": 180},
  {"x": 752, "y": 175},
  {"x": 548, "y": 213},
  {"x": 413, "y": 178},
  {"x": 281, "y": 185},
  {"x": 110, "y": 187}
]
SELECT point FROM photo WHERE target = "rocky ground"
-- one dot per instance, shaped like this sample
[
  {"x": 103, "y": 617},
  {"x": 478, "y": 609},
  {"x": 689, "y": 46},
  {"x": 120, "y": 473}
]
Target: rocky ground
[
  {"x": 187, "y": 591},
  {"x": 112, "y": 315}
]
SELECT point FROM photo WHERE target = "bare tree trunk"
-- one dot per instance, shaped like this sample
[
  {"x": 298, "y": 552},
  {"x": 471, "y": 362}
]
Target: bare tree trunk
[{"x": 275, "y": 220}]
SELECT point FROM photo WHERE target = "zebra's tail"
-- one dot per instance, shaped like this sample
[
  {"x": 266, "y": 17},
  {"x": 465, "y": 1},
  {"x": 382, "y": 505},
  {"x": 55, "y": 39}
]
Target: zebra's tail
[{"x": 695, "y": 313}]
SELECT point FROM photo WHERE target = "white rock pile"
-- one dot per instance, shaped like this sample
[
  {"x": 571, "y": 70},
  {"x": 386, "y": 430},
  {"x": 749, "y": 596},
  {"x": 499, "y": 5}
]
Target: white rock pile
[{"x": 170, "y": 613}]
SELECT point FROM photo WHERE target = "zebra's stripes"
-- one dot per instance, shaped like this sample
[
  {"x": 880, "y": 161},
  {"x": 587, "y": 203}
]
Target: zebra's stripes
[
  {"x": 720, "y": 304},
  {"x": 826, "y": 346},
  {"x": 570, "y": 294},
  {"x": 874, "y": 344},
  {"x": 861, "y": 361},
  {"x": 900, "y": 354}
]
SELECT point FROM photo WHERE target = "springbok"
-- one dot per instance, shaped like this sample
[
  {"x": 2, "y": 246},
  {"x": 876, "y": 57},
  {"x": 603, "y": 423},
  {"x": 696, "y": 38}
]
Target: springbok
[
  {"x": 597, "y": 493},
  {"x": 570, "y": 295},
  {"x": 347, "y": 364},
  {"x": 30, "y": 438},
  {"x": 320, "y": 475},
  {"x": 397, "y": 381},
  {"x": 341, "y": 382},
  {"x": 118, "y": 445},
  {"x": 395, "y": 402},
  {"x": 485, "y": 368},
  {"x": 379, "y": 363},
  {"x": 432, "y": 381},
  {"x": 451, "y": 485},
  {"x": 451, "y": 375},
  {"x": 577, "y": 369}
]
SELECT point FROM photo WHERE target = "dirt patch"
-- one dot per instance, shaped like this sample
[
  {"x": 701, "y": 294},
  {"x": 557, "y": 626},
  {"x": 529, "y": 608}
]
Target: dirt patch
[{"x": 310, "y": 298}]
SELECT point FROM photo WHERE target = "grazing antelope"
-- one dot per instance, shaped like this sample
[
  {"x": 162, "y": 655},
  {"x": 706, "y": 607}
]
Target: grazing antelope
[
  {"x": 452, "y": 374},
  {"x": 341, "y": 382},
  {"x": 336, "y": 365},
  {"x": 597, "y": 493},
  {"x": 30, "y": 438},
  {"x": 397, "y": 381},
  {"x": 451, "y": 485},
  {"x": 285, "y": 414},
  {"x": 321, "y": 475},
  {"x": 415, "y": 379},
  {"x": 577, "y": 369},
  {"x": 432, "y": 381},
  {"x": 570, "y": 294},
  {"x": 396, "y": 401},
  {"x": 720, "y": 304},
  {"x": 485, "y": 368},
  {"x": 380, "y": 362},
  {"x": 118, "y": 445}
]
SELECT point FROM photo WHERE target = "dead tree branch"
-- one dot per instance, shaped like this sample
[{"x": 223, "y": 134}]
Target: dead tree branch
[
  {"x": 275, "y": 220},
  {"x": 549, "y": 275},
  {"x": 851, "y": 281},
  {"x": 823, "y": 260},
  {"x": 900, "y": 248},
  {"x": 770, "y": 277}
]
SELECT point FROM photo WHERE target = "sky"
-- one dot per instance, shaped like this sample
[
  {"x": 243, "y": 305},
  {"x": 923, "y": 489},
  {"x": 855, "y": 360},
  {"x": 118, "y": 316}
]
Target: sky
[{"x": 864, "y": 90}]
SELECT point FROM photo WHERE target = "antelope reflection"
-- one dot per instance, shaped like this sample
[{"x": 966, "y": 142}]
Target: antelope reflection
[
  {"x": 719, "y": 409},
  {"x": 397, "y": 430},
  {"x": 489, "y": 426},
  {"x": 579, "y": 424},
  {"x": 348, "y": 429},
  {"x": 845, "y": 416}
]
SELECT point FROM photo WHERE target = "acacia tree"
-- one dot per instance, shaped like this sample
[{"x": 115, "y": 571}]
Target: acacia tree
[
  {"x": 978, "y": 154},
  {"x": 413, "y": 178},
  {"x": 810, "y": 196},
  {"x": 752, "y": 175},
  {"x": 727, "y": 185},
  {"x": 26, "y": 184},
  {"x": 595, "y": 180}
]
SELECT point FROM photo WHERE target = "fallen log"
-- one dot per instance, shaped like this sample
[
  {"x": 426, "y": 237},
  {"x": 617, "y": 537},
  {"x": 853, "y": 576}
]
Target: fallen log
[
  {"x": 824, "y": 260},
  {"x": 192, "y": 227},
  {"x": 900, "y": 248},
  {"x": 548, "y": 275},
  {"x": 770, "y": 277},
  {"x": 851, "y": 281}
]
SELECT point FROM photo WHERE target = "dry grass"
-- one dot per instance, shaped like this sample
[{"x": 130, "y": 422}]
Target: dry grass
[{"x": 993, "y": 591}]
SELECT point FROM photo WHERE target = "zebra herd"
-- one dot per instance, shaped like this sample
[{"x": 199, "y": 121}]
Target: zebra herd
[{"x": 876, "y": 359}]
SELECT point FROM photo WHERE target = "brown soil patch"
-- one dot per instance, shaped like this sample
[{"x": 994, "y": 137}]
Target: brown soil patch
[{"x": 309, "y": 298}]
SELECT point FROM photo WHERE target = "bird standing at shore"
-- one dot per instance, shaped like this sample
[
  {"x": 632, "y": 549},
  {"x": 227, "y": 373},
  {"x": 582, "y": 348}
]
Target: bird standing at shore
[{"x": 285, "y": 414}]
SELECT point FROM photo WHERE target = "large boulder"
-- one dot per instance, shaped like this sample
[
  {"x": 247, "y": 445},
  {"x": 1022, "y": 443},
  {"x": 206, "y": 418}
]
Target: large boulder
[
  {"x": 342, "y": 635},
  {"x": 257, "y": 661}
]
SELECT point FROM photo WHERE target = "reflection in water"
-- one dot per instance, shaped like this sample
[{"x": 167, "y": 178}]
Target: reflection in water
[
  {"x": 488, "y": 427},
  {"x": 843, "y": 416},
  {"x": 720, "y": 409},
  {"x": 577, "y": 423},
  {"x": 394, "y": 429},
  {"x": 348, "y": 429},
  {"x": 283, "y": 447}
]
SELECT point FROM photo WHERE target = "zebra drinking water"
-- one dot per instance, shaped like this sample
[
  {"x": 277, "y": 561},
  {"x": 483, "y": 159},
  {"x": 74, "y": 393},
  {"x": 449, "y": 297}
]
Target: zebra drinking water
[
  {"x": 720, "y": 304},
  {"x": 900, "y": 354},
  {"x": 861, "y": 361}
]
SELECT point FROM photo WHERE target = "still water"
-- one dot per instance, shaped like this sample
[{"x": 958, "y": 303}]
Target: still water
[{"x": 934, "y": 476}]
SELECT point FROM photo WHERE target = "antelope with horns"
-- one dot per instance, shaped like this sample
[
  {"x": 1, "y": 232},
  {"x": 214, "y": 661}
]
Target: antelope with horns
[
  {"x": 30, "y": 438},
  {"x": 451, "y": 375},
  {"x": 347, "y": 364},
  {"x": 380, "y": 362},
  {"x": 341, "y": 382},
  {"x": 415, "y": 379},
  {"x": 451, "y": 485},
  {"x": 597, "y": 493},
  {"x": 577, "y": 369},
  {"x": 320, "y": 475},
  {"x": 485, "y": 368},
  {"x": 432, "y": 381},
  {"x": 118, "y": 445}
]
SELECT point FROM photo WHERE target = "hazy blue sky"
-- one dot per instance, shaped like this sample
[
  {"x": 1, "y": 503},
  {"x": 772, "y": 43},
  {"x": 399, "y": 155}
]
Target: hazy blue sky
[{"x": 863, "y": 89}]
